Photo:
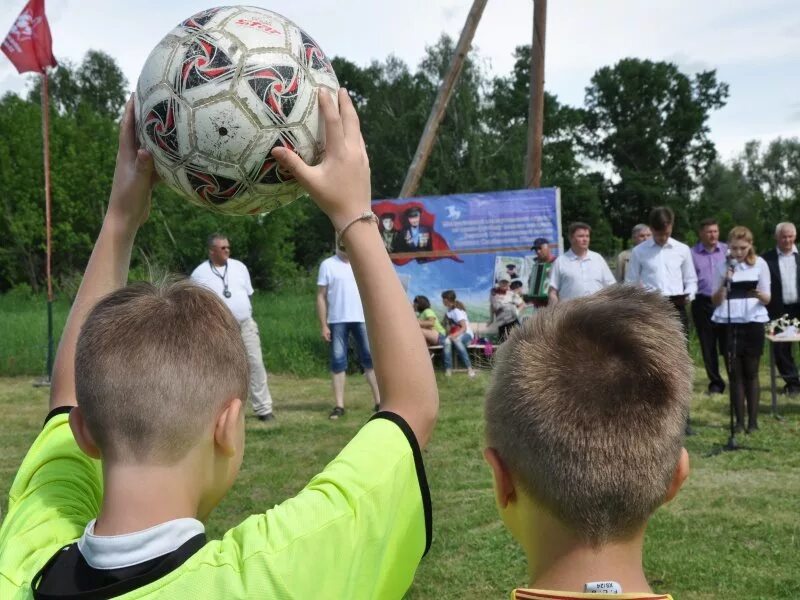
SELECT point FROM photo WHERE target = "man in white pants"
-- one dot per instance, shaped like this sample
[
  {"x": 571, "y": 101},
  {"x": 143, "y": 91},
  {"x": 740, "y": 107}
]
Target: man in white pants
[{"x": 230, "y": 280}]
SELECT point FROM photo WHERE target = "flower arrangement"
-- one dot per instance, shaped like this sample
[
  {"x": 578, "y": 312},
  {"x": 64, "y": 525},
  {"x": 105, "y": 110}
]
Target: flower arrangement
[{"x": 783, "y": 326}]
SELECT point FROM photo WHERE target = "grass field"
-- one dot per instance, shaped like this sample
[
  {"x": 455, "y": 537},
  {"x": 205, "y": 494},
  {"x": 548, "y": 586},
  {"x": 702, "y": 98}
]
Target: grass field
[{"x": 733, "y": 532}]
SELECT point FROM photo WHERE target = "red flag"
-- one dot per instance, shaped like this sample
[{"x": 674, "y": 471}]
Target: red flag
[{"x": 28, "y": 45}]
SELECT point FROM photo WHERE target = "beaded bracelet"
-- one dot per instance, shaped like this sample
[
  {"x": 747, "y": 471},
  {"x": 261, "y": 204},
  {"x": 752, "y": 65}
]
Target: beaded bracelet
[{"x": 367, "y": 215}]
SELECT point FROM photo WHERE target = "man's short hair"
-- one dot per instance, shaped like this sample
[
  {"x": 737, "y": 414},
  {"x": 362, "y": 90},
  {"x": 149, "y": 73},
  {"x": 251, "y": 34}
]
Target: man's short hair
[
  {"x": 516, "y": 284},
  {"x": 661, "y": 217},
  {"x": 573, "y": 227},
  {"x": 153, "y": 366},
  {"x": 707, "y": 223},
  {"x": 781, "y": 226},
  {"x": 638, "y": 228},
  {"x": 587, "y": 408},
  {"x": 212, "y": 239}
]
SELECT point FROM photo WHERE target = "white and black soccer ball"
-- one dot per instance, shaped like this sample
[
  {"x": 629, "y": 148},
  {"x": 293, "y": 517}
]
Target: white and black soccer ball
[{"x": 218, "y": 93}]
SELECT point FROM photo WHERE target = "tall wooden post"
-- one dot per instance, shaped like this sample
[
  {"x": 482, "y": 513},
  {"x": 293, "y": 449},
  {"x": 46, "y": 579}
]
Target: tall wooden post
[
  {"x": 425, "y": 146},
  {"x": 533, "y": 162},
  {"x": 46, "y": 146}
]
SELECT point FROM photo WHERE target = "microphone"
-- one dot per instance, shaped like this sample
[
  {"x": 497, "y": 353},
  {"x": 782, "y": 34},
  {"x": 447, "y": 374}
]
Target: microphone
[{"x": 730, "y": 263}]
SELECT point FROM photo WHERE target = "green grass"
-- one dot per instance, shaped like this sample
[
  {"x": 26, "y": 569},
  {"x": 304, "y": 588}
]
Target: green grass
[
  {"x": 733, "y": 531},
  {"x": 287, "y": 322}
]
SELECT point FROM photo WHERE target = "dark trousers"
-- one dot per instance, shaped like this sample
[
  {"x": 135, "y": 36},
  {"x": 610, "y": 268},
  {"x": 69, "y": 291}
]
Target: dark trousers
[
  {"x": 682, "y": 315},
  {"x": 680, "y": 308},
  {"x": 710, "y": 340},
  {"x": 783, "y": 353},
  {"x": 744, "y": 342}
]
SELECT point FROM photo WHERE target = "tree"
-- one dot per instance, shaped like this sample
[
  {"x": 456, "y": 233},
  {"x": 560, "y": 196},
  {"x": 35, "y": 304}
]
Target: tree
[
  {"x": 506, "y": 118},
  {"x": 648, "y": 123}
]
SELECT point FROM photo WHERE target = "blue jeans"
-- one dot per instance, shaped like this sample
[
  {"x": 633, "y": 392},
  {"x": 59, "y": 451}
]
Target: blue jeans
[
  {"x": 460, "y": 344},
  {"x": 339, "y": 337}
]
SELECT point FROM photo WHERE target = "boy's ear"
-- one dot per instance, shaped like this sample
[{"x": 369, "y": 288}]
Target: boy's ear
[
  {"x": 503, "y": 483},
  {"x": 227, "y": 429},
  {"x": 81, "y": 433},
  {"x": 679, "y": 476}
]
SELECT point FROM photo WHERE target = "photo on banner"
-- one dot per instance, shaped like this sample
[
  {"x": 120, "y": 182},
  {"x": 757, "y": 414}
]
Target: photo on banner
[{"x": 458, "y": 242}]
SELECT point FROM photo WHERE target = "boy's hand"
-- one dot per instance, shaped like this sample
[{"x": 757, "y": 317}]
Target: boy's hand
[
  {"x": 134, "y": 177},
  {"x": 340, "y": 184}
]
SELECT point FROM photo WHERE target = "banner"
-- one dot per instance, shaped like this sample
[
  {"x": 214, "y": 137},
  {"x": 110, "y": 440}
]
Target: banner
[{"x": 464, "y": 242}]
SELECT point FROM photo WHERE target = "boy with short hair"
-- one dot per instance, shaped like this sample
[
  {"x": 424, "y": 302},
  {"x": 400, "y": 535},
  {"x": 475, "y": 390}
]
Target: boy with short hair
[
  {"x": 585, "y": 421},
  {"x": 150, "y": 381}
]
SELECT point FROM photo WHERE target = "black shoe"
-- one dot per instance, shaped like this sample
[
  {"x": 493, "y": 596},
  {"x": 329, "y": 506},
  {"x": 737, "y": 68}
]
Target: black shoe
[
  {"x": 752, "y": 428},
  {"x": 739, "y": 428},
  {"x": 267, "y": 417},
  {"x": 715, "y": 389},
  {"x": 791, "y": 389},
  {"x": 337, "y": 412}
]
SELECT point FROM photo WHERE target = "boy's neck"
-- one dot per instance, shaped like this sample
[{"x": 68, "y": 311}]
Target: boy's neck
[
  {"x": 559, "y": 562},
  {"x": 139, "y": 497}
]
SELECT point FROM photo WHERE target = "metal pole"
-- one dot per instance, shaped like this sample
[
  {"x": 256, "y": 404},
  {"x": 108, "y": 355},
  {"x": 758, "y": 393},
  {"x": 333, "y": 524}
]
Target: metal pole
[
  {"x": 46, "y": 144},
  {"x": 533, "y": 162},
  {"x": 428, "y": 138}
]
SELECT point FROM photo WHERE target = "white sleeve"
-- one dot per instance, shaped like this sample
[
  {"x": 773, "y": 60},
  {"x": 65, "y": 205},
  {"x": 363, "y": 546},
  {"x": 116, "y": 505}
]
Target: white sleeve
[
  {"x": 608, "y": 276},
  {"x": 555, "y": 274},
  {"x": 248, "y": 285},
  {"x": 764, "y": 281},
  {"x": 689, "y": 274},
  {"x": 632, "y": 272},
  {"x": 322, "y": 277}
]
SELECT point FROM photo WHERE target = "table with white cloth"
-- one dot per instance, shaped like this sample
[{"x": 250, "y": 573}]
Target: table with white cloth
[{"x": 776, "y": 339}]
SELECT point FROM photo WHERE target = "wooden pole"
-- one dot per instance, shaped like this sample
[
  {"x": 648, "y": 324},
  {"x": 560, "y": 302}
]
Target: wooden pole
[
  {"x": 428, "y": 138},
  {"x": 46, "y": 145},
  {"x": 533, "y": 161}
]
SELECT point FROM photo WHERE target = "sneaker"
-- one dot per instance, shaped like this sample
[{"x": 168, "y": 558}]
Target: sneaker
[
  {"x": 471, "y": 372},
  {"x": 267, "y": 417},
  {"x": 337, "y": 412},
  {"x": 448, "y": 372}
]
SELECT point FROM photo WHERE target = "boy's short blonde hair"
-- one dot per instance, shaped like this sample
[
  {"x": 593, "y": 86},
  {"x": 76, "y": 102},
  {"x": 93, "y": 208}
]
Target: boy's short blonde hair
[
  {"x": 154, "y": 364},
  {"x": 587, "y": 409}
]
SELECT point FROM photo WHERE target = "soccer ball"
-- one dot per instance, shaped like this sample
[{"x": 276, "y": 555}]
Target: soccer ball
[{"x": 218, "y": 93}]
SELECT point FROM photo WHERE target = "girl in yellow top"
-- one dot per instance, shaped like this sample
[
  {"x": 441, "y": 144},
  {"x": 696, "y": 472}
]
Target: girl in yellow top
[{"x": 432, "y": 328}]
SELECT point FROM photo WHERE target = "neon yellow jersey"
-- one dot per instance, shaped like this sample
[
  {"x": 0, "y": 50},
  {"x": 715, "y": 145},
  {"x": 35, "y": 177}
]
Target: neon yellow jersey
[
  {"x": 357, "y": 530},
  {"x": 428, "y": 313},
  {"x": 523, "y": 594}
]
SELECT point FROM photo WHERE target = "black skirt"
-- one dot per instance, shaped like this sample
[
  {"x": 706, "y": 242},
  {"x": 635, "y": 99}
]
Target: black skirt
[{"x": 747, "y": 338}]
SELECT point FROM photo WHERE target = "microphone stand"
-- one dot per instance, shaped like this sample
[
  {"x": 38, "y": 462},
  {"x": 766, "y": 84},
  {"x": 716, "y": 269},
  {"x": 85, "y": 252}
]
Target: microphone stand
[{"x": 731, "y": 352}]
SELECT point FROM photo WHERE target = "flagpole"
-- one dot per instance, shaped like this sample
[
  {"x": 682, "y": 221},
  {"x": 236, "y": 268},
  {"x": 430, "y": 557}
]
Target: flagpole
[{"x": 46, "y": 145}]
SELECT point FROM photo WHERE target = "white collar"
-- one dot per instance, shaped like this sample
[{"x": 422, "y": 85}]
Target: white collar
[
  {"x": 780, "y": 252},
  {"x": 118, "y": 551},
  {"x": 572, "y": 256},
  {"x": 668, "y": 244}
]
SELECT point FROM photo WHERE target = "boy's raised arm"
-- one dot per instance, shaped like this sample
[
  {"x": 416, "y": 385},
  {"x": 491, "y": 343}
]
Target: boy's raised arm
[
  {"x": 128, "y": 208},
  {"x": 340, "y": 185}
]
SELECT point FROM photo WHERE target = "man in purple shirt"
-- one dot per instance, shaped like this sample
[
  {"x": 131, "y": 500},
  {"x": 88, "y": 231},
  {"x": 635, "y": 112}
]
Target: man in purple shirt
[{"x": 707, "y": 255}]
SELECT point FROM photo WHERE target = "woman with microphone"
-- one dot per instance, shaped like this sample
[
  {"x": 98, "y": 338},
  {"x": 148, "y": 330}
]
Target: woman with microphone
[{"x": 742, "y": 293}]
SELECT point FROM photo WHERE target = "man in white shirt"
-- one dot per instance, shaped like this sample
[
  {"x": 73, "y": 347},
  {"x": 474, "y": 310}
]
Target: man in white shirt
[
  {"x": 230, "y": 280},
  {"x": 663, "y": 264},
  {"x": 784, "y": 265},
  {"x": 579, "y": 271},
  {"x": 340, "y": 316}
]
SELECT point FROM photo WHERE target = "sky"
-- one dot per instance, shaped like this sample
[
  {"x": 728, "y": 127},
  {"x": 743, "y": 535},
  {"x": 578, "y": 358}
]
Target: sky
[{"x": 754, "y": 46}]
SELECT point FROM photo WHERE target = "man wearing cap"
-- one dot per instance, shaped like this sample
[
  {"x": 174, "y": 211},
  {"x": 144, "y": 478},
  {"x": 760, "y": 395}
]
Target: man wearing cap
[
  {"x": 415, "y": 237},
  {"x": 539, "y": 280},
  {"x": 391, "y": 237}
]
